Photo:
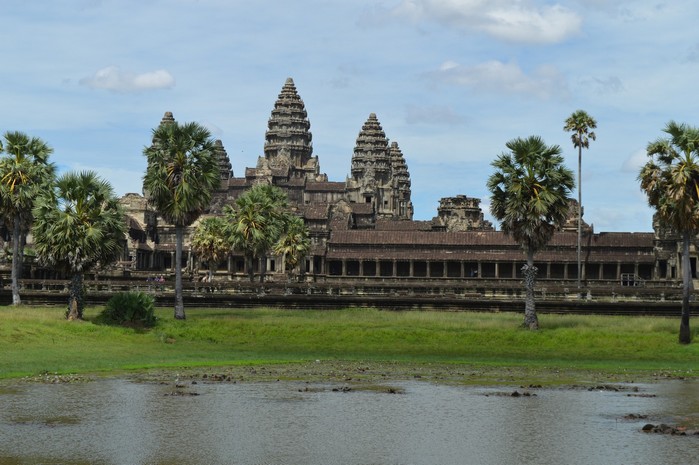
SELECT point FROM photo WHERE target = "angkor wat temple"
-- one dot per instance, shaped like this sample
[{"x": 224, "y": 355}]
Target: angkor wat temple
[{"x": 362, "y": 228}]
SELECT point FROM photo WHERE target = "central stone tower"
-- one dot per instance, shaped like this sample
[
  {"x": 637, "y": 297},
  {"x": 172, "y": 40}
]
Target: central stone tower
[{"x": 288, "y": 147}]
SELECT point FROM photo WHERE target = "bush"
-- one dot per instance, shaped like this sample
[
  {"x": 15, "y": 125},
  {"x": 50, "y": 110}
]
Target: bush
[{"x": 130, "y": 309}]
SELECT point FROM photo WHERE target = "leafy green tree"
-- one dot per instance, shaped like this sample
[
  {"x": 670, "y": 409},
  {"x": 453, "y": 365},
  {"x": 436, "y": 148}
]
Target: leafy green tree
[
  {"x": 530, "y": 193},
  {"x": 24, "y": 172},
  {"x": 211, "y": 243},
  {"x": 257, "y": 222},
  {"x": 180, "y": 180},
  {"x": 78, "y": 225},
  {"x": 580, "y": 124},
  {"x": 670, "y": 180},
  {"x": 293, "y": 245}
]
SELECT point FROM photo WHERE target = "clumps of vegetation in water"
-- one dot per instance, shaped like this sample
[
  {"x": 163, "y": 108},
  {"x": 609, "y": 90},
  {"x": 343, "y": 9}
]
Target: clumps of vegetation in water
[{"x": 134, "y": 309}]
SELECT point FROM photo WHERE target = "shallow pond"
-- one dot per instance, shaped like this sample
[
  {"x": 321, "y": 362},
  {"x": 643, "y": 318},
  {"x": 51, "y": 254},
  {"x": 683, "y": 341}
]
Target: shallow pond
[{"x": 118, "y": 421}]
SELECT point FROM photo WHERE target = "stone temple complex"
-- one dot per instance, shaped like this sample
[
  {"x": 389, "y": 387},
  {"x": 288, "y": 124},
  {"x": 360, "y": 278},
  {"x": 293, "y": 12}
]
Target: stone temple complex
[{"x": 362, "y": 228}]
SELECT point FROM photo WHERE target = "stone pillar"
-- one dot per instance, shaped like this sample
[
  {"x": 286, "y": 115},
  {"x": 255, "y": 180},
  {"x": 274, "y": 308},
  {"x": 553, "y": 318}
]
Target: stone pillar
[
  {"x": 395, "y": 268},
  {"x": 344, "y": 267},
  {"x": 172, "y": 261},
  {"x": 480, "y": 269},
  {"x": 412, "y": 268},
  {"x": 548, "y": 270},
  {"x": 361, "y": 267},
  {"x": 497, "y": 269},
  {"x": 428, "y": 272},
  {"x": 565, "y": 271},
  {"x": 618, "y": 270}
]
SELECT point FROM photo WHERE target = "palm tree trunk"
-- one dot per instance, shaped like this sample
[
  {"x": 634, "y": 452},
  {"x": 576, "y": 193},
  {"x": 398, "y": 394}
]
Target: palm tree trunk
[
  {"x": 579, "y": 217},
  {"x": 685, "y": 335},
  {"x": 179, "y": 301},
  {"x": 249, "y": 264},
  {"x": 16, "y": 259},
  {"x": 531, "y": 321},
  {"x": 75, "y": 298},
  {"x": 263, "y": 267}
]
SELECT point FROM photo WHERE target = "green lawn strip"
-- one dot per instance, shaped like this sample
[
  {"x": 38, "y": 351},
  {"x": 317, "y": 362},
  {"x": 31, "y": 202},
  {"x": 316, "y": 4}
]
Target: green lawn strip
[{"x": 34, "y": 340}]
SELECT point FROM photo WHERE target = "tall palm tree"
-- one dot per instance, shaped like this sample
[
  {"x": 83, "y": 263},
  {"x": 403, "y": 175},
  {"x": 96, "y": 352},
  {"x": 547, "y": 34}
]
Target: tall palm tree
[
  {"x": 257, "y": 222},
  {"x": 78, "y": 225},
  {"x": 293, "y": 245},
  {"x": 670, "y": 179},
  {"x": 530, "y": 193},
  {"x": 24, "y": 173},
  {"x": 180, "y": 179},
  {"x": 580, "y": 124},
  {"x": 210, "y": 242}
]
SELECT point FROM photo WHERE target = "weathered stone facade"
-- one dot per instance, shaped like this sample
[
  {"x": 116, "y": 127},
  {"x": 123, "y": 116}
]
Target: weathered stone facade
[{"x": 363, "y": 228}]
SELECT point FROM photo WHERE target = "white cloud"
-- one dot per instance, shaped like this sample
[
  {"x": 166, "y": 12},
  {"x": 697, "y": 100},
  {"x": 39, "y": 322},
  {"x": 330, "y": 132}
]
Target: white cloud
[
  {"x": 635, "y": 161},
  {"x": 495, "y": 76},
  {"x": 608, "y": 85},
  {"x": 517, "y": 21},
  {"x": 114, "y": 79},
  {"x": 432, "y": 114}
]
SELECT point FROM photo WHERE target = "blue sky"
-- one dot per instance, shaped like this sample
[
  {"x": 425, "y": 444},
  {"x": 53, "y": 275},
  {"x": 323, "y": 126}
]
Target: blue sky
[{"x": 450, "y": 80}]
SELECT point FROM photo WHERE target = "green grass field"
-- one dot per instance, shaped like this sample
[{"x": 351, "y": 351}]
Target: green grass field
[{"x": 36, "y": 340}]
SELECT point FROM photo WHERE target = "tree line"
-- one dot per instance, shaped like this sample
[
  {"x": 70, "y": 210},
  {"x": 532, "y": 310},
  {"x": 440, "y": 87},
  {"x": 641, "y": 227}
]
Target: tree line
[{"x": 77, "y": 223}]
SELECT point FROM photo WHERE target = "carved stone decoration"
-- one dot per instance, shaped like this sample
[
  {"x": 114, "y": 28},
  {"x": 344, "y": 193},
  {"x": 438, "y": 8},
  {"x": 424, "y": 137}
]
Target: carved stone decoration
[{"x": 462, "y": 213}]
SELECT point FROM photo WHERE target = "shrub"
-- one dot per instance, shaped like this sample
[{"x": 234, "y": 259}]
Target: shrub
[{"x": 130, "y": 309}]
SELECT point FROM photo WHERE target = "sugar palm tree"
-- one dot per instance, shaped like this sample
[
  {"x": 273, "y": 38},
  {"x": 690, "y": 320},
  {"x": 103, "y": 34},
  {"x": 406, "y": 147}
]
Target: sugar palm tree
[
  {"x": 293, "y": 245},
  {"x": 257, "y": 222},
  {"x": 670, "y": 179},
  {"x": 78, "y": 225},
  {"x": 181, "y": 176},
  {"x": 210, "y": 242},
  {"x": 580, "y": 124},
  {"x": 530, "y": 193},
  {"x": 24, "y": 172}
]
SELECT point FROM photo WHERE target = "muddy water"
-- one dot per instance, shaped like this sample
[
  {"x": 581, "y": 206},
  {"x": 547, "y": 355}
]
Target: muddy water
[{"x": 119, "y": 421}]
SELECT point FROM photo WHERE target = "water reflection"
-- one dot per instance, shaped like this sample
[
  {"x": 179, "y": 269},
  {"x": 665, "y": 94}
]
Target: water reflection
[{"x": 123, "y": 422}]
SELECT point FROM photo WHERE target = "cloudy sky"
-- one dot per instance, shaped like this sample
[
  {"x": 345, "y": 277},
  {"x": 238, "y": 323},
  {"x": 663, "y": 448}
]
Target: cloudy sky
[{"x": 450, "y": 80}]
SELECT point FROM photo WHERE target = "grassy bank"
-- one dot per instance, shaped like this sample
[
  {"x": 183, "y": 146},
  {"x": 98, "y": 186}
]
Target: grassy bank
[{"x": 34, "y": 340}]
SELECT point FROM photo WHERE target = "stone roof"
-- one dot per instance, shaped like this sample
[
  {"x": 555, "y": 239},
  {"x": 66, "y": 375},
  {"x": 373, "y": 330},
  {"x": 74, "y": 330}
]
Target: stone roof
[
  {"x": 327, "y": 186},
  {"x": 316, "y": 211},
  {"x": 474, "y": 255},
  {"x": 422, "y": 238},
  {"x": 402, "y": 225},
  {"x": 362, "y": 208},
  {"x": 485, "y": 246},
  {"x": 237, "y": 182}
]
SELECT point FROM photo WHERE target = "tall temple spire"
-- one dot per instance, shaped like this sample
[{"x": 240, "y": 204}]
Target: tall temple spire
[
  {"x": 167, "y": 118},
  {"x": 288, "y": 146},
  {"x": 224, "y": 162},
  {"x": 401, "y": 183},
  {"x": 371, "y": 161},
  {"x": 379, "y": 173}
]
